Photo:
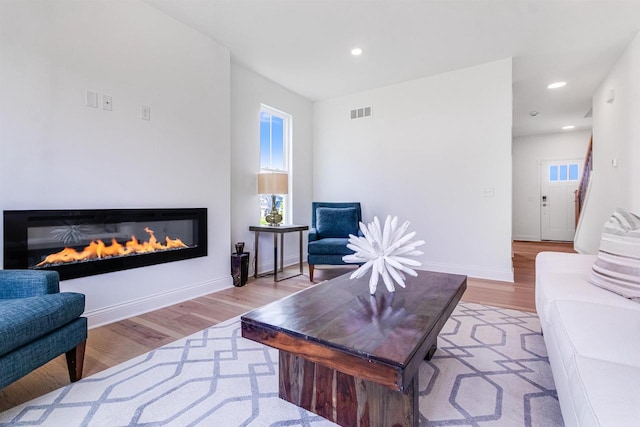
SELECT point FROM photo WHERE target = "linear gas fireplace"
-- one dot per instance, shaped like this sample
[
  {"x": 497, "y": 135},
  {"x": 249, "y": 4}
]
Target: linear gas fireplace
[{"x": 78, "y": 243}]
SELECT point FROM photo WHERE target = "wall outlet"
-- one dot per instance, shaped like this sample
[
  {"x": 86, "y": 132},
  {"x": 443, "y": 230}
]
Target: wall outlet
[{"x": 107, "y": 102}]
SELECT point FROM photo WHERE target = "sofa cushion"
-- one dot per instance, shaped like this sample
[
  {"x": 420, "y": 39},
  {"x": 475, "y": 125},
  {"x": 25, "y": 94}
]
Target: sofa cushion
[
  {"x": 617, "y": 268},
  {"x": 330, "y": 246},
  {"x": 26, "y": 319},
  {"x": 605, "y": 393},
  {"x": 598, "y": 354},
  {"x": 336, "y": 222},
  {"x": 561, "y": 262},
  {"x": 591, "y": 338},
  {"x": 564, "y": 276},
  {"x": 573, "y": 286},
  {"x": 597, "y": 331}
]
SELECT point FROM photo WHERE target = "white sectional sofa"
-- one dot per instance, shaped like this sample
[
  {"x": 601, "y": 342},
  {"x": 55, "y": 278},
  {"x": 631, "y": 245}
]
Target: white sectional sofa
[{"x": 593, "y": 342}]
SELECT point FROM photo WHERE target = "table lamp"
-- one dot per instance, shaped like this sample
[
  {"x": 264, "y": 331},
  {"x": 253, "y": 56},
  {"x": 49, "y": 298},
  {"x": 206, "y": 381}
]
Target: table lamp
[{"x": 274, "y": 184}]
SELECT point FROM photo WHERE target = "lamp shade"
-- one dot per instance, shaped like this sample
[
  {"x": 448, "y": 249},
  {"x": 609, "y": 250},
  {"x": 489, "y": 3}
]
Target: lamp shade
[{"x": 273, "y": 183}]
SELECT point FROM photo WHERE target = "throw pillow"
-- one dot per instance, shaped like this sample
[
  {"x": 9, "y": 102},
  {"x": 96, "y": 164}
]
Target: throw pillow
[
  {"x": 336, "y": 222},
  {"x": 617, "y": 267}
]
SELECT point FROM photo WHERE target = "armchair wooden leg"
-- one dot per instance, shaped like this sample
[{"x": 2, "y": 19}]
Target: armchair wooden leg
[
  {"x": 311, "y": 272},
  {"x": 75, "y": 361}
]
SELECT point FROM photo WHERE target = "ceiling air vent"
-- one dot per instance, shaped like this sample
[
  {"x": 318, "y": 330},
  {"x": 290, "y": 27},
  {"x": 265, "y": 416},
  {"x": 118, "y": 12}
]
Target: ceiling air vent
[{"x": 359, "y": 113}]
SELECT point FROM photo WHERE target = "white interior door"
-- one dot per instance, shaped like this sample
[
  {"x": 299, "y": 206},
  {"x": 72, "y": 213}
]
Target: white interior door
[{"x": 558, "y": 182}]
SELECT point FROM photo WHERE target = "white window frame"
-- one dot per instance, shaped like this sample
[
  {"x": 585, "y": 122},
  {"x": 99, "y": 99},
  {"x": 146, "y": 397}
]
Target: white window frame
[
  {"x": 559, "y": 165},
  {"x": 287, "y": 142}
]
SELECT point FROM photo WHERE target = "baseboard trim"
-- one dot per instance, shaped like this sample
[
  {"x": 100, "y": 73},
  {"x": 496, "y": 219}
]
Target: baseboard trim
[
  {"x": 114, "y": 313},
  {"x": 475, "y": 272},
  {"x": 526, "y": 238}
]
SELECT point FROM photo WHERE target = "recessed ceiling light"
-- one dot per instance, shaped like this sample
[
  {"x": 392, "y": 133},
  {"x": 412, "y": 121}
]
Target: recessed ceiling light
[
  {"x": 568, "y": 127},
  {"x": 556, "y": 85},
  {"x": 356, "y": 51}
]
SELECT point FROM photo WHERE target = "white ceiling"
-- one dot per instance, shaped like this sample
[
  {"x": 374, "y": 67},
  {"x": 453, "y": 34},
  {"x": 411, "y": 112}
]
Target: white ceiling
[{"x": 304, "y": 45}]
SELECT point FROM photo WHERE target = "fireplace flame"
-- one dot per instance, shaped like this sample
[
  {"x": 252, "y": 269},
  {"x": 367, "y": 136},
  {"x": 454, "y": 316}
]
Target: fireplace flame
[{"x": 98, "y": 249}]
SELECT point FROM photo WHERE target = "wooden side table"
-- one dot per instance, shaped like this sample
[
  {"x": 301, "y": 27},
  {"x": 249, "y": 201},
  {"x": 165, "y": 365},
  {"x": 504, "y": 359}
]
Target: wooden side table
[{"x": 281, "y": 230}]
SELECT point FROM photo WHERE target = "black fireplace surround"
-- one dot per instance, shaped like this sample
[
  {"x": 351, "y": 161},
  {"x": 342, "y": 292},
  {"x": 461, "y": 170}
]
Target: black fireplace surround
[{"x": 78, "y": 243}]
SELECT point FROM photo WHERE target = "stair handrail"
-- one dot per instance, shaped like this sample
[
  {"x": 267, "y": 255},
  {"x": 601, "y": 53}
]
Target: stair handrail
[{"x": 581, "y": 192}]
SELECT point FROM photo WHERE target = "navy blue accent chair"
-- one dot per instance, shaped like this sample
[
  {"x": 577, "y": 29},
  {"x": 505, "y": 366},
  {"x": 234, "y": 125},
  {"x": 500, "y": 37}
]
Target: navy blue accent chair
[
  {"x": 38, "y": 323},
  {"x": 331, "y": 224}
]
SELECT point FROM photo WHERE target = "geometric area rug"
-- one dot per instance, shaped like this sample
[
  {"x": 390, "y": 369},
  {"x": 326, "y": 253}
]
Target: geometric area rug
[{"x": 490, "y": 369}]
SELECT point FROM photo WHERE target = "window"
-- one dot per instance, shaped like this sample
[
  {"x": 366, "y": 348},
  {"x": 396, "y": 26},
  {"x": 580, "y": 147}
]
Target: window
[
  {"x": 564, "y": 172},
  {"x": 275, "y": 146},
  {"x": 573, "y": 172}
]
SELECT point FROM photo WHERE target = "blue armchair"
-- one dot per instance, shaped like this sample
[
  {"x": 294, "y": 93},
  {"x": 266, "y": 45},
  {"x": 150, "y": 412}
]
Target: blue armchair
[
  {"x": 331, "y": 224},
  {"x": 38, "y": 323}
]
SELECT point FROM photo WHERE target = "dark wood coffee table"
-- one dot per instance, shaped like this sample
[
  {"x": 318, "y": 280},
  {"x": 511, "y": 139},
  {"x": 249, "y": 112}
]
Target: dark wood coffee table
[{"x": 353, "y": 358}]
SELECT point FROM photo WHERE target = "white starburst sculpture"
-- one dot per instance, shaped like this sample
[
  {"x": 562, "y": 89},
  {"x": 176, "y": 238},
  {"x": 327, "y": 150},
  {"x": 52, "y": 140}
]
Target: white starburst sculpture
[{"x": 384, "y": 252}]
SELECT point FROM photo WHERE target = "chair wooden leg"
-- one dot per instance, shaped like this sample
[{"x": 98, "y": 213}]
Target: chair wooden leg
[
  {"x": 311, "y": 272},
  {"x": 75, "y": 361}
]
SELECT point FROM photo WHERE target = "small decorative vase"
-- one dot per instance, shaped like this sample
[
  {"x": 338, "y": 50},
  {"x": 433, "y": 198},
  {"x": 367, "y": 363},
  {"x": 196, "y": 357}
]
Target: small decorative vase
[{"x": 239, "y": 248}]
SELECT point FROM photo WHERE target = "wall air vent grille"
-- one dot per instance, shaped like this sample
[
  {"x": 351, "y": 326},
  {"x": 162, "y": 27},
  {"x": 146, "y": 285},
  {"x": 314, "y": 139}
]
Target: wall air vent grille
[{"x": 359, "y": 113}]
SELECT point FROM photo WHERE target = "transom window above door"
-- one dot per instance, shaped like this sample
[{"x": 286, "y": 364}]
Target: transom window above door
[{"x": 564, "y": 172}]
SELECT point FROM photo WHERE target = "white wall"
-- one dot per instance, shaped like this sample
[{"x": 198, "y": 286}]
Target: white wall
[
  {"x": 56, "y": 153},
  {"x": 616, "y": 136},
  {"x": 528, "y": 152},
  {"x": 248, "y": 91},
  {"x": 428, "y": 152}
]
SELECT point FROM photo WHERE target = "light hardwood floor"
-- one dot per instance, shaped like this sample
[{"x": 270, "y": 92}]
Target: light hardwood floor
[{"x": 115, "y": 343}]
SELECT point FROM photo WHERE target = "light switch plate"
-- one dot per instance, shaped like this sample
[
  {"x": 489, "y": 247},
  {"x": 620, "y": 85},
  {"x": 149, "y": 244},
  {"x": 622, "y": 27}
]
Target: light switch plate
[
  {"x": 145, "y": 114},
  {"x": 92, "y": 99}
]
